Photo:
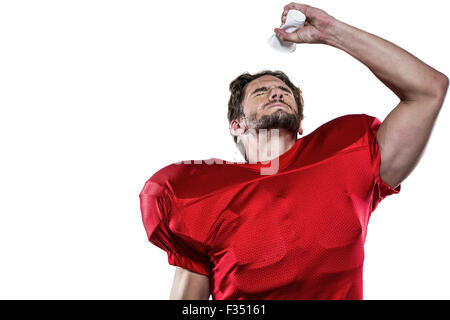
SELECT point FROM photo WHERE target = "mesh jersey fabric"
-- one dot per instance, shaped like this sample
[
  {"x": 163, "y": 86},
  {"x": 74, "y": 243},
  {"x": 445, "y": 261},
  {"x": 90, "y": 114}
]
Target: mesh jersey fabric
[{"x": 296, "y": 234}]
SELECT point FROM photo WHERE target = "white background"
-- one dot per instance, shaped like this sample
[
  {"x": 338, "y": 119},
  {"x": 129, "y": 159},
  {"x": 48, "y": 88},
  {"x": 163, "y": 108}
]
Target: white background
[{"x": 96, "y": 96}]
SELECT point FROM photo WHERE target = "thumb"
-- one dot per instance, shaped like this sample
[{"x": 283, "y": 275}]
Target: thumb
[{"x": 287, "y": 36}]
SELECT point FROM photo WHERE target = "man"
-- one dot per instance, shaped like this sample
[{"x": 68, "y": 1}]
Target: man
[{"x": 298, "y": 232}]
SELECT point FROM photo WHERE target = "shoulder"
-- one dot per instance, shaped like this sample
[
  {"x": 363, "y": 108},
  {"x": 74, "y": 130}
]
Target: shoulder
[
  {"x": 191, "y": 178},
  {"x": 342, "y": 133},
  {"x": 353, "y": 123}
]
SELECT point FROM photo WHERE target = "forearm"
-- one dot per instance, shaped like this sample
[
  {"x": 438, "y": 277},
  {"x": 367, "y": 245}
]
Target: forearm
[
  {"x": 188, "y": 285},
  {"x": 407, "y": 76}
]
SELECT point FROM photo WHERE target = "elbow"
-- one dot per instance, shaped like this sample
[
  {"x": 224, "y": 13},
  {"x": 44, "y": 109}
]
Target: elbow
[
  {"x": 445, "y": 84},
  {"x": 441, "y": 86},
  {"x": 434, "y": 89}
]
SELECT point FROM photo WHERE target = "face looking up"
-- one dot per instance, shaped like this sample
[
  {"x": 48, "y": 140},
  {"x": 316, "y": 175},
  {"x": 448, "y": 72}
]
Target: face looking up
[{"x": 269, "y": 103}]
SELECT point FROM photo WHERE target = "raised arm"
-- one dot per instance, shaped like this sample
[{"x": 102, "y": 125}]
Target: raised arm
[
  {"x": 189, "y": 285},
  {"x": 421, "y": 89}
]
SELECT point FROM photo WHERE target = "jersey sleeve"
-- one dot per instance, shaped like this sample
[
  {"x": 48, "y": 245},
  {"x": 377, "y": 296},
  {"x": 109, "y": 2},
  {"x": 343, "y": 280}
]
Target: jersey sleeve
[
  {"x": 381, "y": 189},
  {"x": 156, "y": 204}
]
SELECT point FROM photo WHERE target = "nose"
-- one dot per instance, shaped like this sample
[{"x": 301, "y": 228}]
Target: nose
[{"x": 276, "y": 94}]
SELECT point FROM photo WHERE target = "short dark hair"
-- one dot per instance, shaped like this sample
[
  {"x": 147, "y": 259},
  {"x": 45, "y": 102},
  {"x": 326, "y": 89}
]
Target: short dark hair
[{"x": 237, "y": 89}]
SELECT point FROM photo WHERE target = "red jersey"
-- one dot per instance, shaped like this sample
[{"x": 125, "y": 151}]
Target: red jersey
[{"x": 295, "y": 234}]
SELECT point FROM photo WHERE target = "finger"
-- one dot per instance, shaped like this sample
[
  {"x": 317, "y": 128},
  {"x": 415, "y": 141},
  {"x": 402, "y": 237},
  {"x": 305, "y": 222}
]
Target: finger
[
  {"x": 283, "y": 16},
  {"x": 285, "y": 12},
  {"x": 286, "y": 36},
  {"x": 297, "y": 6}
]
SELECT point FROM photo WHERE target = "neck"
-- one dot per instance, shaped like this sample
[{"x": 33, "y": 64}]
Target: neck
[{"x": 265, "y": 145}]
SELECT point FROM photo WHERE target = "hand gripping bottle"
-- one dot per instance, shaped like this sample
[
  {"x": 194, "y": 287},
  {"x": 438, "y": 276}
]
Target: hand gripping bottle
[{"x": 294, "y": 20}]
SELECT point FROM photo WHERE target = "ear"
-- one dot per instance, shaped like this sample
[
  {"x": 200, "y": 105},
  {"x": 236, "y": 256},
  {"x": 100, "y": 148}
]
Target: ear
[
  {"x": 236, "y": 129},
  {"x": 300, "y": 129}
]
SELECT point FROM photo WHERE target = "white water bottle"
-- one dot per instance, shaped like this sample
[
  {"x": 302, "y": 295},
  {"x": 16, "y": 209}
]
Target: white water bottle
[{"x": 294, "y": 20}]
